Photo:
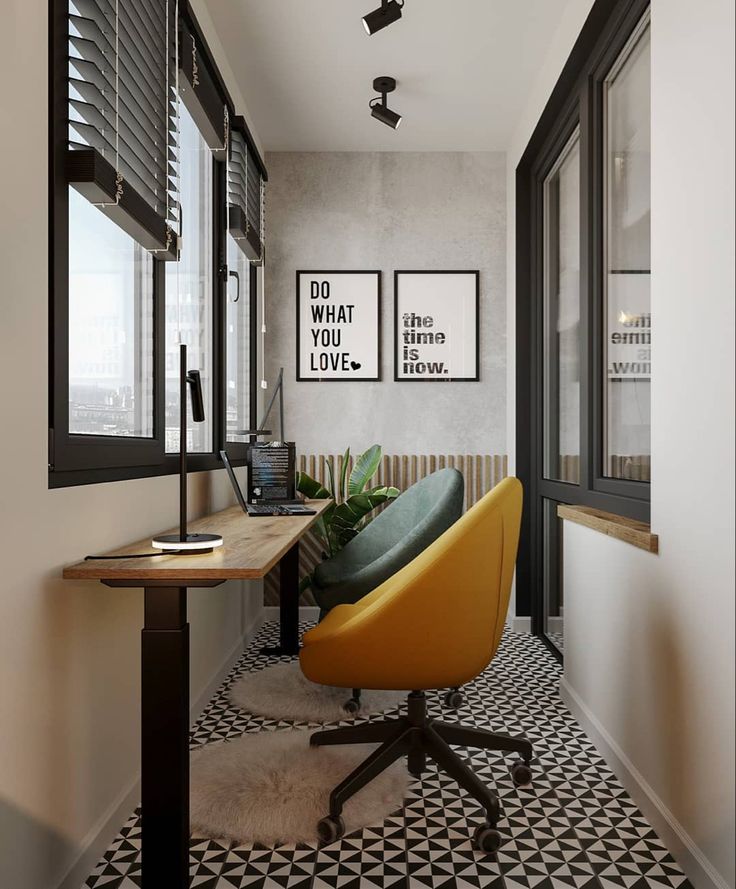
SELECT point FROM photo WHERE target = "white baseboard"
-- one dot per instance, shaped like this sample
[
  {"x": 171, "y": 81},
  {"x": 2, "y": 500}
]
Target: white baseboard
[
  {"x": 306, "y": 612},
  {"x": 697, "y": 867},
  {"x": 520, "y": 624},
  {"x": 108, "y": 825}
]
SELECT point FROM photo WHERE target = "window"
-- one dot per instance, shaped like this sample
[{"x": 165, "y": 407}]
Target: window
[
  {"x": 156, "y": 200},
  {"x": 239, "y": 345},
  {"x": 189, "y": 287},
  {"x": 628, "y": 319},
  {"x": 583, "y": 317},
  {"x": 110, "y": 327},
  {"x": 562, "y": 315}
]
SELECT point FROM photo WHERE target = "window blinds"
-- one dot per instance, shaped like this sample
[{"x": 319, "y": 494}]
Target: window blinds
[
  {"x": 246, "y": 191},
  {"x": 130, "y": 62},
  {"x": 199, "y": 87},
  {"x": 122, "y": 114}
]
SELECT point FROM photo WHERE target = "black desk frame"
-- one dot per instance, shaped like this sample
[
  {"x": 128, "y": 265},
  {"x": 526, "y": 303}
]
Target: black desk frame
[{"x": 165, "y": 716}]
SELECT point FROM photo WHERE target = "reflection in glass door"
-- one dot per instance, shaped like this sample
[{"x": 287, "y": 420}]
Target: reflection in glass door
[
  {"x": 626, "y": 246},
  {"x": 560, "y": 365},
  {"x": 561, "y": 294}
]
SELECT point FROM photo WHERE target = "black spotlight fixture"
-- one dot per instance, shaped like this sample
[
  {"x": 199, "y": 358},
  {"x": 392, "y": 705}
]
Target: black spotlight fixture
[
  {"x": 379, "y": 108},
  {"x": 388, "y": 13}
]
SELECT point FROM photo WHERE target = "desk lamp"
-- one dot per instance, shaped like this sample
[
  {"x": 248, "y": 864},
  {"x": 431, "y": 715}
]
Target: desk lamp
[{"x": 183, "y": 541}]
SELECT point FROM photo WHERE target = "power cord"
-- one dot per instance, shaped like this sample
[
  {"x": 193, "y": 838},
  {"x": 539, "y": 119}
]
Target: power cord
[{"x": 173, "y": 552}]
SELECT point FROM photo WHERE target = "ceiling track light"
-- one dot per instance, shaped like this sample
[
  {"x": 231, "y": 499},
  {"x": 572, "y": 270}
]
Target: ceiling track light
[
  {"x": 379, "y": 108},
  {"x": 388, "y": 12}
]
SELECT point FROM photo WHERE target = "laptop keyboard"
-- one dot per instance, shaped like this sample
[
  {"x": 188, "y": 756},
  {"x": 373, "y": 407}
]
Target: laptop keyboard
[{"x": 261, "y": 509}]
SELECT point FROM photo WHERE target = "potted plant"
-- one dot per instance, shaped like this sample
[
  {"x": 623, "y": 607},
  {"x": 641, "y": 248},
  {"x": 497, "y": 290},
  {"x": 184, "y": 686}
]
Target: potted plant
[{"x": 352, "y": 502}]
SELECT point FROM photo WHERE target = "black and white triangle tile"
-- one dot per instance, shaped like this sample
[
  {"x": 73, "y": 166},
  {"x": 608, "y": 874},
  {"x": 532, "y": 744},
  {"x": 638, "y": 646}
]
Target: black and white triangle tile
[
  {"x": 575, "y": 827},
  {"x": 372, "y": 857}
]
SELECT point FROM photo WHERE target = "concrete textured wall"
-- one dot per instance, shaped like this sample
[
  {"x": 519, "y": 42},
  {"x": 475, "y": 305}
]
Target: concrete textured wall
[{"x": 391, "y": 210}]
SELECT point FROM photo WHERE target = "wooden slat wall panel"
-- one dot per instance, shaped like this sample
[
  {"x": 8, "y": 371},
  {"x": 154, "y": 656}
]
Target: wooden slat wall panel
[
  {"x": 481, "y": 471},
  {"x": 636, "y": 467}
]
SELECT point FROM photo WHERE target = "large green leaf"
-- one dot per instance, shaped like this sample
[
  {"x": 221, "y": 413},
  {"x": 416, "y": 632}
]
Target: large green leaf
[
  {"x": 306, "y": 485},
  {"x": 346, "y": 516},
  {"x": 364, "y": 470},
  {"x": 343, "y": 473},
  {"x": 331, "y": 477},
  {"x": 322, "y": 529},
  {"x": 389, "y": 490}
]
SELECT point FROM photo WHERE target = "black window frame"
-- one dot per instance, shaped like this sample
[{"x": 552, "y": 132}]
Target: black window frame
[
  {"x": 78, "y": 459},
  {"x": 575, "y": 100}
]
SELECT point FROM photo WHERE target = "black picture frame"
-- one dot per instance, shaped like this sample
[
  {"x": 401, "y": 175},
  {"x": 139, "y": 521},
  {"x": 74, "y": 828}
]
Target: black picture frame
[
  {"x": 400, "y": 379},
  {"x": 379, "y": 293}
]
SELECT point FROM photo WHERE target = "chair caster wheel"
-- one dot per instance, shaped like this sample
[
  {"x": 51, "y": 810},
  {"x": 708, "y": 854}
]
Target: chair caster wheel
[
  {"x": 454, "y": 699},
  {"x": 487, "y": 839},
  {"x": 330, "y": 830},
  {"x": 351, "y": 706},
  {"x": 521, "y": 774}
]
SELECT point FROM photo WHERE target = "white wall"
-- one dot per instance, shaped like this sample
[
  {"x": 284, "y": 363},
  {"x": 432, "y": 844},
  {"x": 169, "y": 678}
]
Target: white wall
[
  {"x": 389, "y": 210},
  {"x": 650, "y": 639},
  {"x": 649, "y": 646},
  {"x": 69, "y": 652}
]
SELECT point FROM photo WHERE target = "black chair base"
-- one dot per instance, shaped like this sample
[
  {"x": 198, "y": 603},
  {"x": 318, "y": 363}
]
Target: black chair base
[
  {"x": 417, "y": 738},
  {"x": 453, "y": 700}
]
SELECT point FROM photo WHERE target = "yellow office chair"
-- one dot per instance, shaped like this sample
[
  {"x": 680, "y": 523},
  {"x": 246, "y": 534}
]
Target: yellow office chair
[{"x": 436, "y": 623}]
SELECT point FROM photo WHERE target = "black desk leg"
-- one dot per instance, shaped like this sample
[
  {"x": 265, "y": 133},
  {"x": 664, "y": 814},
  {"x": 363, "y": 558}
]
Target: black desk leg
[
  {"x": 288, "y": 604},
  {"x": 165, "y": 739}
]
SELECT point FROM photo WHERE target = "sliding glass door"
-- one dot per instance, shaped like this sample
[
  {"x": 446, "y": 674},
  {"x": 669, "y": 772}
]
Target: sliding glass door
[
  {"x": 561, "y": 360},
  {"x": 626, "y": 250},
  {"x": 584, "y": 324}
]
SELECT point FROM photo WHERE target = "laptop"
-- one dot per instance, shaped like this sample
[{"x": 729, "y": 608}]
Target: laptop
[{"x": 275, "y": 507}]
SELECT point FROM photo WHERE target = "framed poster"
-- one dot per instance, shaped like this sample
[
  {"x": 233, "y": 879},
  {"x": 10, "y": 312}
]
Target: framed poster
[
  {"x": 338, "y": 326},
  {"x": 436, "y": 336}
]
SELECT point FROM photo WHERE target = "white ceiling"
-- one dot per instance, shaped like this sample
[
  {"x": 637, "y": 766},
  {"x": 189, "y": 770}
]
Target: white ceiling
[{"x": 305, "y": 68}]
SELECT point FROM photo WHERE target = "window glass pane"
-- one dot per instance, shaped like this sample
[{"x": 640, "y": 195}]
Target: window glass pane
[
  {"x": 562, "y": 316},
  {"x": 237, "y": 377},
  {"x": 627, "y": 262},
  {"x": 110, "y": 327},
  {"x": 189, "y": 288}
]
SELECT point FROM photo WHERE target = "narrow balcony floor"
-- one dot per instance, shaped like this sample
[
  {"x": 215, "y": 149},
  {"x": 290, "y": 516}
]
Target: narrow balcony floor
[{"x": 575, "y": 828}]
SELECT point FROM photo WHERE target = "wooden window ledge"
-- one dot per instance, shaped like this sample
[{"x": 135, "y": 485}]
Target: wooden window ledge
[{"x": 629, "y": 530}]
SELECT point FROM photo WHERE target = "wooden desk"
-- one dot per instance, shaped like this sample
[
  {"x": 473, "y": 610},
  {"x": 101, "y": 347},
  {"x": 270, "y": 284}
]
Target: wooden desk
[{"x": 252, "y": 547}]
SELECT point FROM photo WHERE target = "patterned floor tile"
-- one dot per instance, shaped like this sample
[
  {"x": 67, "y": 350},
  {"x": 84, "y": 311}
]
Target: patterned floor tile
[{"x": 574, "y": 827}]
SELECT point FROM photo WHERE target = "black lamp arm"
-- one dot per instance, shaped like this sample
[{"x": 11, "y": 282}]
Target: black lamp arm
[{"x": 277, "y": 390}]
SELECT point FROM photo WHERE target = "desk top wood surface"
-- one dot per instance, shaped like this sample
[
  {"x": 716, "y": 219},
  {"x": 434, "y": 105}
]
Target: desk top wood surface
[{"x": 252, "y": 546}]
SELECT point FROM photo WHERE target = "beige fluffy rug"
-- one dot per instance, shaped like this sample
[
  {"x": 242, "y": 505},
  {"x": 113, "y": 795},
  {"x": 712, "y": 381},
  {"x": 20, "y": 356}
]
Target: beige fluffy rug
[
  {"x": 284, "y": 692},
  {"x": 271, "y": 787}
]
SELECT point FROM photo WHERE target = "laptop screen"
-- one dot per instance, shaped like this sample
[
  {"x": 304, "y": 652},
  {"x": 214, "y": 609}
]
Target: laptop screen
[{"x": 271, "y": 472}]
